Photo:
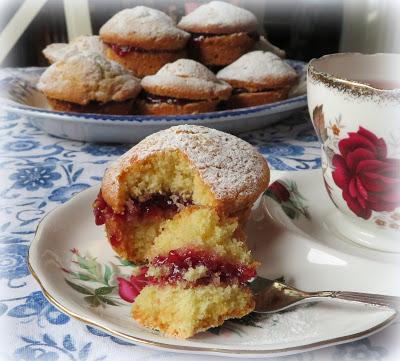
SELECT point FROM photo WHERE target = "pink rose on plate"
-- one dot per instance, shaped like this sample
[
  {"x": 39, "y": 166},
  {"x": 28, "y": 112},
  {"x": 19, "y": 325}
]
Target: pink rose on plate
[
  {"x": 368, "y": 179},
  {"x": 129, "y": 289}
]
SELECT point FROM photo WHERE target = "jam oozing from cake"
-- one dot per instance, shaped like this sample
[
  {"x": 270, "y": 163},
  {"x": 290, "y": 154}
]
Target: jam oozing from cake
[
  {"x": 123, "y": 50},
  {"x": 178, "y": 262},
  {"x": 199, "y": 37},
  {"x": 157, "y": 205}
]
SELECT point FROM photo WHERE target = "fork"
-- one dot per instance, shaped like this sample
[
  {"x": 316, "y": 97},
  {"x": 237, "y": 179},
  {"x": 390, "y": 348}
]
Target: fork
[{"x": 274, "y": 296}]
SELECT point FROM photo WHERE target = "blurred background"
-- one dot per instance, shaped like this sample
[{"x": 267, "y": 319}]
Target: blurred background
[{"x": 303, "y": 28}]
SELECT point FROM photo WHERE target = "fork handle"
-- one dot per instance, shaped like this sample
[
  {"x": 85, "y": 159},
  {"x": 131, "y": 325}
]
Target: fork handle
[{"x": 374, "y": 299}]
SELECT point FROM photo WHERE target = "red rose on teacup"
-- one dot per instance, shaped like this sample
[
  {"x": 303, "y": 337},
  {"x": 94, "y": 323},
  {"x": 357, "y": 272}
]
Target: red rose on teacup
[{"x": 368, "y": 179}]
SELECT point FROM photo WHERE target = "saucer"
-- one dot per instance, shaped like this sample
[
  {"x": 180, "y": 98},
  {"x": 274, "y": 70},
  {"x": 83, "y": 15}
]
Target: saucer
[
  {"x": 298, "y": 201},
  {"x": 77, "y": 271}
]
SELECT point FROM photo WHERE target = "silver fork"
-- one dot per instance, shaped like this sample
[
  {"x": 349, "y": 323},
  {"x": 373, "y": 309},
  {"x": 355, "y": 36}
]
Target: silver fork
[{"x": 273, "y": 296}]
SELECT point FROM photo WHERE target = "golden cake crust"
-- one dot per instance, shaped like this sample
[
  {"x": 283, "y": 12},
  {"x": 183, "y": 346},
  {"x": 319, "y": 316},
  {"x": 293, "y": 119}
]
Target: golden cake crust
[
  {"x": 235, "y": 173},
  {"x": 186, "y": 79},
  {"x": 183, "y": 312},
  {"x": 175, "y": 109},
  {"x": 218, "y": 17},
  {"x": 87, "y": 77},
  {"x": 222, "y": 49},
  {"x": 145, "y": 63},
  {"x": 116, "y": 108},
  {"x": 244, "y": 100},
  {"x": 144, "y": 28}
]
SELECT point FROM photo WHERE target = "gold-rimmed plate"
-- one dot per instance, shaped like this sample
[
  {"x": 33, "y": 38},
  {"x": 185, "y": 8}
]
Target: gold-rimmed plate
[{"x": 77, "y": 271}]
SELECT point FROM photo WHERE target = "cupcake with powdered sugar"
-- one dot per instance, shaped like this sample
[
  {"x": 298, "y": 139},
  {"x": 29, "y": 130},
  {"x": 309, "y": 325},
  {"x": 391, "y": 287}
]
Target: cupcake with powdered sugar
[
  {"x": 143, "y": 40},
  {"x": 221, "y": 32},
  {"x": 182, "y": 87},
  {"x": 89, "y": 83},
  {"x": 58, "y": 51},
  {"x": 258, "y": 78}
]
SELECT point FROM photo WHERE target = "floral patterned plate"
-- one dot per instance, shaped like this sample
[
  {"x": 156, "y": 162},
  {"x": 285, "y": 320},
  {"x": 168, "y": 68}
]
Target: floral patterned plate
[
  {"x": 18, "y": 95},
  {"x": 79, "y": 273}
]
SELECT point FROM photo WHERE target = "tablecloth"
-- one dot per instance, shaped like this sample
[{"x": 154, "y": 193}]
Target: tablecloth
[{"x": 38, "y": 172}]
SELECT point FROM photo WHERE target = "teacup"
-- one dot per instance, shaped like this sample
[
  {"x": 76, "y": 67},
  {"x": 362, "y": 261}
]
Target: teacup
[{"x": 354, "y": 104}]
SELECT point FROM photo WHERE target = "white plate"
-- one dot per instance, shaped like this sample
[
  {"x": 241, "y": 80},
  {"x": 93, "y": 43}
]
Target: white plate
[
  {"x": 18, "y": 94},
  {"x": 68, "y": 234}
]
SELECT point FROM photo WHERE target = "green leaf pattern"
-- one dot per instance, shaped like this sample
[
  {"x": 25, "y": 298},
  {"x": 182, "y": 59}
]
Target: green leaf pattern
[{"x": 96, "y": 281}]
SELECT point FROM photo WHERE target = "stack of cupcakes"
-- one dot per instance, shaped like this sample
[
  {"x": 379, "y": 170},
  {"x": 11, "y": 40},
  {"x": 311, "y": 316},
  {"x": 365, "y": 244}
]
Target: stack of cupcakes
[{"x": 146, "y": 43}]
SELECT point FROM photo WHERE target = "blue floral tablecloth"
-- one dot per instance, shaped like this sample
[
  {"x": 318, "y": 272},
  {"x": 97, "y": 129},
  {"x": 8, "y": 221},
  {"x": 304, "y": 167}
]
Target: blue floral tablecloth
[{"x": 38, "y": 172}]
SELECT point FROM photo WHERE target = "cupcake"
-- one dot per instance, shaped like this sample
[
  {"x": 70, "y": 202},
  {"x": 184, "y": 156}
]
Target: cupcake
[
  {"x": 143, "y": 40},
  {"x": 221, "y": 32},
  {"x": 58, "y": 51},
  {"x": 89, "y": 83},
  {"x": 178, "y": 202},
  {"x": 169, "y": 171},
  {"x": 258, "y": 78},
  {"x": 182, "y": 87}
]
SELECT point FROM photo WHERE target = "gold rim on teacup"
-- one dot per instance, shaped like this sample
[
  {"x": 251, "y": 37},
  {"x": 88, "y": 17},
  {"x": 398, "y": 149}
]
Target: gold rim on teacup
[{"x": 345, "y": 83}]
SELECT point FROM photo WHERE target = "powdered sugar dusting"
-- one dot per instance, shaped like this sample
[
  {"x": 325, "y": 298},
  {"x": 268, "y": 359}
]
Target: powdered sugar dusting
[
  {"x": 257, "y": 66},
  {"x": 219, "y": 14},
  {"x": 229, "y": 165},
  {"x": 58, "y": 51},
  {"x": 143, "y": 22},
  {"x": 186, "y": 74},
  {"x": 86, "y": 77}
]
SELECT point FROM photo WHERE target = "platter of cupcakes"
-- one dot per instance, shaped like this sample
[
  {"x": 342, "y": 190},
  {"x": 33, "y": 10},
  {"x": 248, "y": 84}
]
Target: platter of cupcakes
[{"x": 144, "y": 73}]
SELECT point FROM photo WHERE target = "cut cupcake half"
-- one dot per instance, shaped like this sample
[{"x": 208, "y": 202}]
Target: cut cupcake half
[
  {"x": 180, "y": 311},
  {"x": 197, "y": 277},
  {"x": 200, "y": 247},
  {"x": 170, "y": 171}
]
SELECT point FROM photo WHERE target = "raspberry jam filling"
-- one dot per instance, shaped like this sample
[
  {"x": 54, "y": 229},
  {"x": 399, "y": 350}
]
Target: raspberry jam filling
[
  {"x": 156, "y": 206},
  {"x": 123, "y": 50},
  {"x": 177, "y": 262}
]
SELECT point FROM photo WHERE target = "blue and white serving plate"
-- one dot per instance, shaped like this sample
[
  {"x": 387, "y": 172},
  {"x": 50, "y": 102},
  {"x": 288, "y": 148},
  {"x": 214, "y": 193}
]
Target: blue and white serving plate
[{"x": 18, "y": 94}]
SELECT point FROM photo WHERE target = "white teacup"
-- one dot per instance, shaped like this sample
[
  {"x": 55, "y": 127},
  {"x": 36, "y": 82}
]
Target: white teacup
[{"x": 354, "y": 103}]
